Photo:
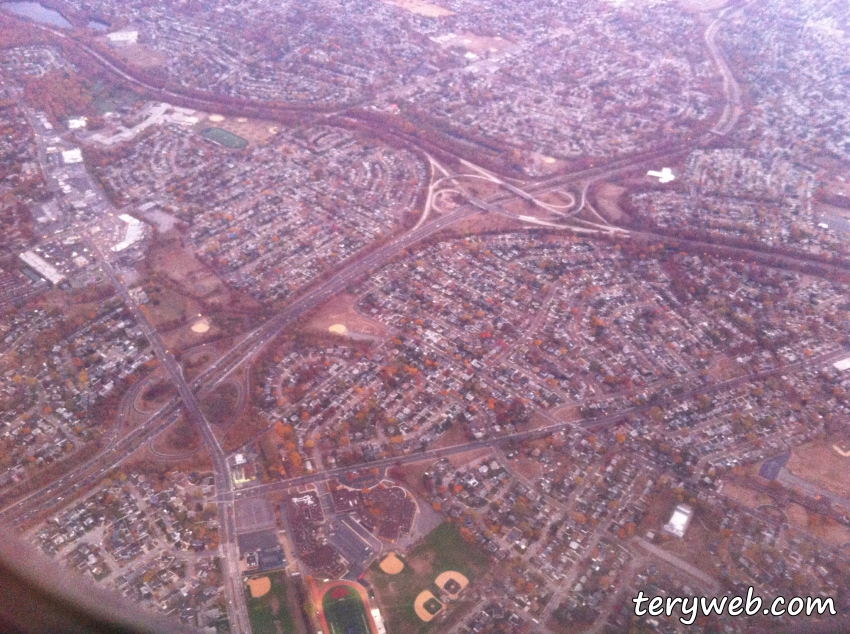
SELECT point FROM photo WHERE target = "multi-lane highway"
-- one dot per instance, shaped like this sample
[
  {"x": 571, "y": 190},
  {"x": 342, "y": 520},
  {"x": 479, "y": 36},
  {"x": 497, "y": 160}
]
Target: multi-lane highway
[{"x": 253, "y": 342}]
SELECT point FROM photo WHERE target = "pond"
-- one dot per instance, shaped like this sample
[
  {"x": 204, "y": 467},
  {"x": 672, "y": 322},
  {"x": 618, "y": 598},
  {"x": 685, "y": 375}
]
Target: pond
[
  {"x": 225, "y": 138},
  {"x": 97, "y": 25},
  {"x": 34, "y": 11}
]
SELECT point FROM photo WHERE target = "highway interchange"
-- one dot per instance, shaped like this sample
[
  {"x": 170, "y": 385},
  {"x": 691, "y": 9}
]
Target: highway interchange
[{"x": 119, "y": 448}]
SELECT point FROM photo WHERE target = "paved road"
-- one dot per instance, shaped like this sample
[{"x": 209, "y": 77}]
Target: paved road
[
  {"x": 707, "y": 580},
  {"x": 255, "y": 341},
  {"x": 237, "y": 608},
  {"x": 732, "y": 110}
]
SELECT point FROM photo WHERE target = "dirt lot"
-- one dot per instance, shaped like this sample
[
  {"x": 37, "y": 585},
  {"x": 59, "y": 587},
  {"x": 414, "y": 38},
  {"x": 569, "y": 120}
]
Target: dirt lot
[
  {"x": 479, "y": 187},
  {"x": 565, "y": 413},
  {"x": 341, "y": 310},
  {"x": 454, "y": 435},
  {"x": 412, "y": 474},
  {"x": 461, "y": 459},
  {"x": 183, "y": 337},
  {"x": 140, "y": 56},
  {"x": 546, "y": 163},
  {"x": 196, "y": 362},
  {"x": 745, "y": 495},
  {"x": 185, "y": 270},
  {"x": 822, "y": 527},
  {"x": 481, "y": 45},
  {"x": 797, "y": 515},
  {"x": 607, "y": 196},
  {"x": 829, "y": 531},
  {"x": 820, "y": 464},
  {"x": 169, "y": 306},
  {"x": 420, "y": 8},
  {"x": 703, "y": 5},
  {"x": 530, "y": 468}
]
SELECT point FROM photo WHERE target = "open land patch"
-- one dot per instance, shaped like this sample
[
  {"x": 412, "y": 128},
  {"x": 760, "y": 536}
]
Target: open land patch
[
  {"x": 483, "y": 223},
  {"x": 703, "y": 5},
  {"x": 478, "y": 44},
  {"x": 255, "y": 131},
  {"x": 607, "y": 201},
  {"x": 157, "y": 392},
  {"x": 196, "y": 362},
  {"x": 418, "y": 7},
  {"x": 169, "y": 308},
  {"x": 182, "y": 438},
  {"x": 828, "y": 530},
  {"x": 548, "y": 164},
  {"x": 268, "y": 610},
  {"x": 818, "y": 463},
  {"x": 140, "y": 56},
  {"x": 341, "y": 311},
  {"x": 442, "y": 550},
  {"x": 746, "y": 495},
  {"x": 530, "y": 468},
  {"x": 220, "y": 406},
  {"x": 797, "y": 515},
  {"x": 185, "y": 270}
]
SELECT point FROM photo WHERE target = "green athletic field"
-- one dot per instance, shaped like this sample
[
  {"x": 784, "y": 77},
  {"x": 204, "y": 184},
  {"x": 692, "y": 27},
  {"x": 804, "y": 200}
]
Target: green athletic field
[
  {"x": 225, "y": 138},
  {"x": 345, "y": 615}
]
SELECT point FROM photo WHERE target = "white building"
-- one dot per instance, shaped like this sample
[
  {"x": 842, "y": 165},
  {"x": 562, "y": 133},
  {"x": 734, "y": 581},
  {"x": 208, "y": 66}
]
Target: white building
[
  {"x": 679, "y": 521},
  {"x": 42, "y": 267},
  {"x": 70, "y": 157},
  {"x": 135, "y": 232},
  {"x": 842, "y": 365},
  {"x": 123, "y": 38}
]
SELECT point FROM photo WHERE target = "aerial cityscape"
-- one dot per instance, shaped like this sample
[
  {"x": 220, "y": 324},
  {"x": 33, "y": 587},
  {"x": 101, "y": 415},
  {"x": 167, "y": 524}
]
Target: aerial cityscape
[{"x": 431, "y": 317}]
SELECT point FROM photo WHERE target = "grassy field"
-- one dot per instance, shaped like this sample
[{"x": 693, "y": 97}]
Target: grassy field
[
  {"x": 442, "y": 549},
  {"x": 225, "y": 138},
  {"x": 271, "y": 608},
  {"x": 346, "y": 614}
]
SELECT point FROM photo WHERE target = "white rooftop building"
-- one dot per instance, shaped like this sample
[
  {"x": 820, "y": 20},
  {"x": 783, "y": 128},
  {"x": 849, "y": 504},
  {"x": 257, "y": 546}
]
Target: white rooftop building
[
  {"x": 42, "y": 267},
  {"x": 70, "y": 157},
  {"x": 379, "y": 621},
  {"x": 679, "y": 521},
  {"x": 135, "y": 232},
  {"x": 842, "y": 365},
  {"x": 124, "y": 38}
]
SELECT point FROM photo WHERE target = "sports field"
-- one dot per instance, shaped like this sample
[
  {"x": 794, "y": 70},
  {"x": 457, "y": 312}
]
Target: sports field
[
  {"x": 442, "y": 550},
  {"x": 225, "y": 138},
  {"x": 345, "y": 612},
  {"x": 270, "y": 613}
]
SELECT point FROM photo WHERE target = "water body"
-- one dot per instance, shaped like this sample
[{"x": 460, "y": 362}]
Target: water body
[
  {"x": 97, "y": 25},
  {"x": 34, "y": 11}
]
